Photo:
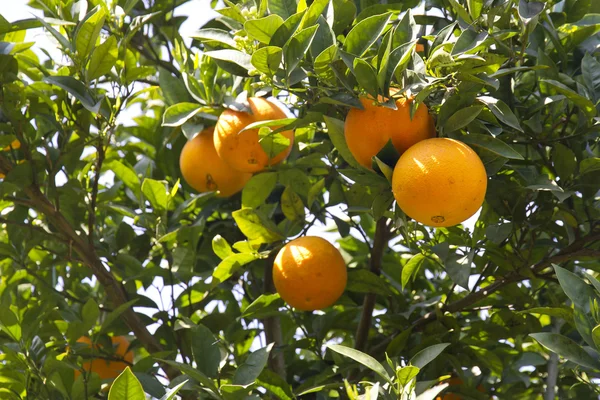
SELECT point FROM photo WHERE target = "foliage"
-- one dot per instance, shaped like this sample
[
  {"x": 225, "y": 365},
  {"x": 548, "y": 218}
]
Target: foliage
[{"x": 94, "y": 214}]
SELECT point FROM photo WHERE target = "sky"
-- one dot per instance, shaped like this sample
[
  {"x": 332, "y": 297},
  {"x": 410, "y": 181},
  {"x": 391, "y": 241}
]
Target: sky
[{"x": 199, "y": 12}]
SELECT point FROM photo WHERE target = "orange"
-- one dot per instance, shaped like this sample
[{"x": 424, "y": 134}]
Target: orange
[
  {"x": 309, "y": 273},
  {"x": 242, "y": 151},
  {"x": 368, "y": 131},
  {"x": 205, "y": 171},
  {"x": 456, "y": 396},
  {"x": 108, "y": 369},
  {"x": 439, "y": 182},
  {"x": 15, "y": 144}
]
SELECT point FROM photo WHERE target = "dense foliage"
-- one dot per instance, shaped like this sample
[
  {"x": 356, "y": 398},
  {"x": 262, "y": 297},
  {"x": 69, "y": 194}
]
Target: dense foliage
[{"x": 94, "y": 214}]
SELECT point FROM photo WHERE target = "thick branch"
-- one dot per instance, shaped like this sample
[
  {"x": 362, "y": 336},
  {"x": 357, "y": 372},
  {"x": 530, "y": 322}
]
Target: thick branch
[{"x": 379, "y": 245}]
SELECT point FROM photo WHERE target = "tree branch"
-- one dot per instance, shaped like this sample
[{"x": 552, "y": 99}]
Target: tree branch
[
  {"x": 115, "y": 292},
  {"x": 379, "y": 245},
  {"x": 569, "y": 253}
]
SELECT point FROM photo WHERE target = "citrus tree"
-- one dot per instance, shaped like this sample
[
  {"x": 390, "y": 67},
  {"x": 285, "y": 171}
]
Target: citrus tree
[{"x": 292, "y": 184}]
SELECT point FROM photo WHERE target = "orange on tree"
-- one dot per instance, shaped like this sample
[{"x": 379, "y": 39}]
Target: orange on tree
[
  {"x": 205, "y": 171},
  {"x": 367, "y": 131},
  {"x": 242, "y": 151},
  {"x": 309, "y": 273},
  {"x": 456, "y": 396},
  {"x": 108, "y": 369},
  {"x": 15, "y": 144},
  {"x": 439, "y": 182}
]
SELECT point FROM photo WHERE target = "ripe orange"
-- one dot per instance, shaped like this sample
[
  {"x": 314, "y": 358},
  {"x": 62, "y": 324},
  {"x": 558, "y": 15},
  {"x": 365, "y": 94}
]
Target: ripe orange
[
  {"x": 439, "y": 182},
  {"x": 456, "y": 396},
  {"x": 368, "y": 131},
  {"x": 309, "y": 273},
  {"x": 205, "y": 171},
  {"x": 242, "y": 151},
  {"x": 104, "y": 368},
  {"x": 15, "y": 144}
]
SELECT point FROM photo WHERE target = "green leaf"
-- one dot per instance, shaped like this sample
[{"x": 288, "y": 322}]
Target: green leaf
[
  {"x": 125, "y": 173},
  {"x": 462, "y": 118},
  {"x": 564, "y": 161},
  {"x": 397, "y": 63},
  {"x": 126, "y": 387},
  {"x": 156, "y": 193},
  {"x": 283, "y": 8},
  {"x": 262, "y": 29},
  {"x": 103, "y": 59},
  {"x": 258, "y": 188},
  {"x": 282, "y": 124},
  {"x": 589, "y": 165},
  {"x": 425, "y": 356},
  {"x": 264, "y": 306},
  {"x": 407, "y": 374},
  {"x": 344, "y": 12},
  {"x": 275, "y": 384},
  {"x": 272, "y": 143},
  {"x": 575, "y": 288},
  {"x": 567, "y": 348},
  {"x": 475, "y": 7},
  {"x": 173, "y": 89},
  {"x": 492, "y": 144},
  {"x": 528, "y": 10},
  {"x": 459, "y": 269},
  {"x": 170, "y": 395},
  {"x": 461, "y": 11},
  {"x": 297, "y": 47},
  {"x": 291, "y": 205},
  {"x": 361, "y": 358},
  {"x": 267, "y": 59},
  {"x": 590, "y": 71},
  {"x": 250, "y": 370},
  {"x": 365, "y": 33},
  {"x": 565, "y": 313},
  {"x": 366, "y": 76},
  {"x": 206, "y": 351},
  {"x": 312, "y": 14},
  {"x": 9, "y": 323},
  {"x": 221, "y": 248},
  {"x": 398, "y": 343},
  {"x": 180, "y": 113},
  {"x": 214, "y": 35},
  {"x": 285, "y": 31},
  {"x": 335, "y": 130},
  {"x": 324, "y": 38},
  {"x": 88, "y": 30},
  {"x": 586, "y": 105},
  {"x": 231, "y": 265},
  {"x": 65, "y": 44},
  {"x": 90, "y": 313},
  {"x": 323, "y": 62},
  {"x": 406, "y": 30},
  {"x": 596, "y": 336},
  {"x": 468, "y": 40},
  {"x": 76, "y": 89},
  {"x": 233, "y": 56},
  {"x": 116, "y": 313},
  {"x": 196, "y": 375},
  {"x": 365, "y": 281},
  {"x": 501, "y": 111},
  {"x": 411, "y": 268}
]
